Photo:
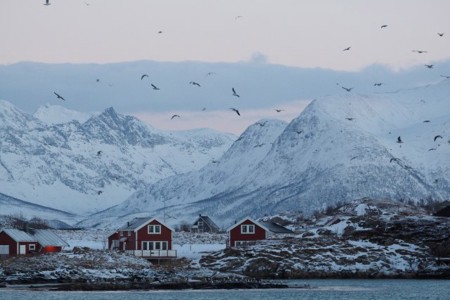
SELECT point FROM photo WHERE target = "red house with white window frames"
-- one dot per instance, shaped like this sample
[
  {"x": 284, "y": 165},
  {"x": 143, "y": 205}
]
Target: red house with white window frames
[
  {"x": 144, "y": 237},
  {"x": 248, "y": 232}
]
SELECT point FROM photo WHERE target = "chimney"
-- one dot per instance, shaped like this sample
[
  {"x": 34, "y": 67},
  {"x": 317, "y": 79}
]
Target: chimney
[{"x": 128, "y": 224}]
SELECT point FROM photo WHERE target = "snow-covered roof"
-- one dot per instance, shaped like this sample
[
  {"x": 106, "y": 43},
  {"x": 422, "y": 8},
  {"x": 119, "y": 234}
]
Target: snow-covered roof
[
  {"x": 19, "y": 235},
  {"x": 138, "y": 223},
  {"x": 49, "y": 238}
]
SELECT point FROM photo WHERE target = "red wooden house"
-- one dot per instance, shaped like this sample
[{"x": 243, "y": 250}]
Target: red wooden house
[
  {"x": 144, "y": 237},
  {"x": 16, "y": 242},
  {"x": 248, "y": 232}
]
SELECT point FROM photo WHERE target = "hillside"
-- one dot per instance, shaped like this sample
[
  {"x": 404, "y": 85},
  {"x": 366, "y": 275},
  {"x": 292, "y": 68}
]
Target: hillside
[
  {"x": 88, "y": 163},
  {"x": 340, "y": 148}
]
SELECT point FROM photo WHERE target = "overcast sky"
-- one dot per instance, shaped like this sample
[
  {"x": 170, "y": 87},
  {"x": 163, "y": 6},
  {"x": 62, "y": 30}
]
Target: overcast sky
[{"x": 288, "y": 32}]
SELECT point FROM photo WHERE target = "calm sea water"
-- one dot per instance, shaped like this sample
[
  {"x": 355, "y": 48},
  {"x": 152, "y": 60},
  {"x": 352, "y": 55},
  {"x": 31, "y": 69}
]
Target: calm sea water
[{"x": 319, "y": 289}]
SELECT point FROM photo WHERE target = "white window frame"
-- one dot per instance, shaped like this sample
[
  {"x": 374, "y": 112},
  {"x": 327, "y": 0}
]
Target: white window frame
[
  {"x": 154, "y": 229},
  {"x": 155, "y": 245},
  {"x": 247, "y": 229},
  {"x": 32, "y": 247}
]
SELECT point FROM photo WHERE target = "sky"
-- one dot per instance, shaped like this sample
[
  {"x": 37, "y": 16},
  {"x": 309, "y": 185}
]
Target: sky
[{"x": 294, "y": 33}]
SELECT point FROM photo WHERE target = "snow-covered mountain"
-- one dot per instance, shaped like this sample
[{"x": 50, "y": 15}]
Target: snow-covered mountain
[
  {"x": 339, "y": 148},
  {"x": 88, "y": 166}
]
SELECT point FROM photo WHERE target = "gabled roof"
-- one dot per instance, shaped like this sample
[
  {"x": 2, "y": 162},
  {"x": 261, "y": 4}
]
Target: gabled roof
[
  {"x": 267, "y": 226},
  {"x": 138, "y": 223},
  {"x": 275, "y": 228},
  {"x": 49, "y": 238},
  {"x": 19, "y": 235},
  {"x": 249, "y": 219},
  {"x": 209, "y": 222}
]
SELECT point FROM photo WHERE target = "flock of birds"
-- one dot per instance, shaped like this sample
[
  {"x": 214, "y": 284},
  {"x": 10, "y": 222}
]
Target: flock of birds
[{"x": 234, "y": 93}]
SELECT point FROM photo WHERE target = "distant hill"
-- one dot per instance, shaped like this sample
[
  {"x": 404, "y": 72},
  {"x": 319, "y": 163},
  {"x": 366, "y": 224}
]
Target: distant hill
[{"x": 340, "y": 148}]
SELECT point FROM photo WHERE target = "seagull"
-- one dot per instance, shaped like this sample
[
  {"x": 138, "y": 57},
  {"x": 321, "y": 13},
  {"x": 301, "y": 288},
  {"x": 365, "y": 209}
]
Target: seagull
[
  {"x": 347, "y": 89},
  {"x": 419, "y": 51},
  {"x": 261, "y": 124},
  {"x": 436, "y": 137},
  {"x": 234, "y": 93},
  {"x": 346, "y": 49},
  {"x": 236, "y": 111},
  {"x": 259, "y": 145},
  {"x": 378, "y": 84},
  {"x": 446, "y": 76},
  {"x": 399, "y": 140},
  {"x": 59, "y": 96},
  {"x": 279, "y": 110},
  {"x": 47, "y": 2},
  {"x": 384, "y": 26},
  {"x": 175, "y": 116},
  {"x": 299, "y": 131},
  {"x": 99, "y": 152},
  {"x": 426, "y": 121},
  {"x": 394, "y": 159},
  {"x": 143, "y": 76},
  {"x": 155, "y": 87},
  {"x": 97, "y": 80},
  {"x": 441, "y": 34},
  {"x": 195, "y": 83},
  {"x": 429, "y": 66},
  {"x": 99, "y": 192},
  {"x": 431, "y": 149},
  {"x": 350, "y": 119},
  {"x": 160, "y": 32}
]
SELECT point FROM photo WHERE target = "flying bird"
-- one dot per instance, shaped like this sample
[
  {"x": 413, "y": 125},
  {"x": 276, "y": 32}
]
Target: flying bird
[
  {"x": 446, "y": 76},
  {"x": 431, "y": 149},
  {"x": 99, "y": 152},
  {"x": 279, "y": 110},
  {"x": 441, "y": 33},
  {"x": 378, "y": 84},
  {"x": 59, "y": 96},
  {"x": 99, "y": 192},
  {"x": 347, "y": 89},
  {"x": 299, "y": 131},
  {"x": 394, "y": 159},
  {"x": 429, "y": 66},
  {"x": 436, "y": 137},
  {"x": 426, "y": 121},
  {"x": 175, "y": 116},
  {"x": 384, "y": 26},
  {"x": 155, "y": 87},
  {"x": 160, "y": 32},
  {"x": 195, "y": 83},
  {"x": 47, "y": 2},
  {"x": 236, "y": 111},
  {"x": 350, "y": 119},
  {"x": 143, "y": 76},
  {"x": 259, "y": 145},
  {"x": 234, "y": 93},
  {"x": 420, "y": 51},
  {"x": 399, "y": 140},
  {"x": 346, "y": 49}
]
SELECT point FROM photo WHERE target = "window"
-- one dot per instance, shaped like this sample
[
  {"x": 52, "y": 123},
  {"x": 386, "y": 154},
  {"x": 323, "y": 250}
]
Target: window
[
  {"x": 32, "y": 247},
  {"x": 154, "y": 229},
  {"x": 248, "y": 229},
  {"x": 159, "y": 245}
]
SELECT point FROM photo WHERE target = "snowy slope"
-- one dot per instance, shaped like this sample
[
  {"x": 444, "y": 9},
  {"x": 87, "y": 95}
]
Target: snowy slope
[
  {"x": 56, "y": 114},
  {"x": 341, "y": 147},
  {"x": 88, "y": 166}
]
